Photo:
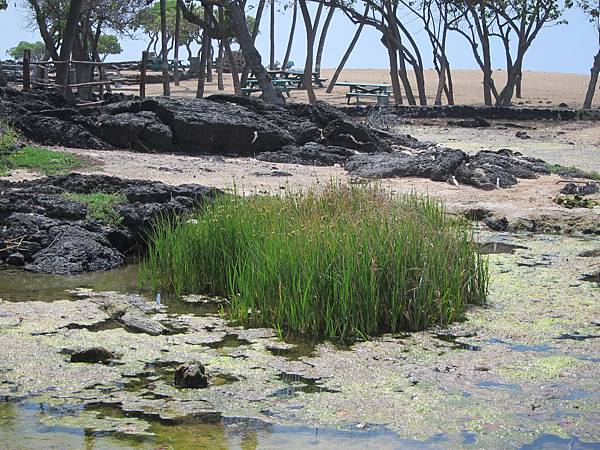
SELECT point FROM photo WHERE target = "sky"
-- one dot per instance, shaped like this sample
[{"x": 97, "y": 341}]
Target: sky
[{"x": 564, "y": 48}]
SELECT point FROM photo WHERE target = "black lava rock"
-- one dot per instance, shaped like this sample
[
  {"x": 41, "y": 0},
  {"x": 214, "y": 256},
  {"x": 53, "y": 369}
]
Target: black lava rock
[
  {"x": 191, "y": 375},
  {"x": 93, "y": 355}
]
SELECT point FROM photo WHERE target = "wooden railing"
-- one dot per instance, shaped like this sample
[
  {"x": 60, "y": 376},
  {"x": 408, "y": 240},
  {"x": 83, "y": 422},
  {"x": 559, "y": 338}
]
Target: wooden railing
[{"x": 25, "y": 67}]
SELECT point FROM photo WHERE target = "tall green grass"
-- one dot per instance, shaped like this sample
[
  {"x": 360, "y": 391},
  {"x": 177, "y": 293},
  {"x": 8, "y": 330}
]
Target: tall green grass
[{"x": 342, "y": 263}]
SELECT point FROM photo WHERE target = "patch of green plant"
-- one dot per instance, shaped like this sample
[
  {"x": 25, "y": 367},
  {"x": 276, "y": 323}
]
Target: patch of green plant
[
  {"x": 341, "y": 263},
  {"x": 8, "y": 141},
  {"x": 101, "y": 206},
  {"x": 572, "y": 171},
  {"x": 49, "y": 162},
  {"x": 574, "y": 201}
]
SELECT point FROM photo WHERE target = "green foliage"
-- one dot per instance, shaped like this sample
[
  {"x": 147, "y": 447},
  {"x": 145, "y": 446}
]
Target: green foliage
[
  {"x": 574, "y": 201},
  {"x": 343, "y": 263},
  {"x": 49, "y": 162},
  {"x": 572, "y": 171},
  {"x": 109, "y": 45},
  {"x": 8, "y": 142},
  {"x": 100, "y": 205},
  {"x": 38, "y": 50},
  {"x": 3, "y": 5}
]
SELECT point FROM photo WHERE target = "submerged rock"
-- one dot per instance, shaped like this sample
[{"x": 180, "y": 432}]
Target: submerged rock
[
  {"x": 191, "y": 375},
  {"x": 92, "y": 355}
]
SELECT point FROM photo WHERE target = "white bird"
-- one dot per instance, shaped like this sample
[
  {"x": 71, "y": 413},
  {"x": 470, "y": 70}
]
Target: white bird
[{"x": 255, "y": 137}]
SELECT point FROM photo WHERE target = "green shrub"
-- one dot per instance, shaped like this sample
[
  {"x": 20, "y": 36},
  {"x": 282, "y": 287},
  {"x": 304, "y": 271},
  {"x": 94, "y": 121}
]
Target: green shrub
[
  {"x": 8, "y": 141},
  {"x": 342, "y": 263},
  {"x": 100, "y": 205}
]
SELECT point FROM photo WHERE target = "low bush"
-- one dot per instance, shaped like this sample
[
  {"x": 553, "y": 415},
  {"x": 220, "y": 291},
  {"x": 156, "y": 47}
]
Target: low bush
[
  {"x": 342, "y": 263},
  {"x": 49, "y": 162}
]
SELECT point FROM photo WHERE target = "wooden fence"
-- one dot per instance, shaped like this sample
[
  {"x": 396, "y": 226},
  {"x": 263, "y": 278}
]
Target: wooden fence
[{"x": 42, "y": 77}]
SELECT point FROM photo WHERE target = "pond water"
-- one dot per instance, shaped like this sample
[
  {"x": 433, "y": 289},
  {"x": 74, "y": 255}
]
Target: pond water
[{"x": 29, "y": 423}]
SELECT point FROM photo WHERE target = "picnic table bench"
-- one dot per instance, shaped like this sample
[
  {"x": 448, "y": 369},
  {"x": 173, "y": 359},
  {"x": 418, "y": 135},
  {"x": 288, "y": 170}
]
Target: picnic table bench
[
  {"x": 375, "y": 90},
  {"x": 295, "y": 76},
  {"x": 251, "y": 86}
]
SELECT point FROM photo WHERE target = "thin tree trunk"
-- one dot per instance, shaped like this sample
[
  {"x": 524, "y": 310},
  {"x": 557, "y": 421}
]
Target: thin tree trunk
[
  {"x": 322, "y": 38},
  {"x": 310, "y": 44},
  {"x": 272, "y": 37},
  {"x": 255, "y": 31},
  {"x": 393, "y": 57},
  {"x": 235, "y": 78},
  {"x": 449, "y": 89},
  {"x": 165, "y": 43},
  {"x": 209, "y": 62},
  {"x": 177, "y": 35},
  {"x": 349, "y": 50},
  {"x": 441, "y": 81},
  {"x": 221, "y": 51},
  {"x": 288, "y": 50},
  {"x": 595, "y": 70},
  {"x": 202, "y": 69}
]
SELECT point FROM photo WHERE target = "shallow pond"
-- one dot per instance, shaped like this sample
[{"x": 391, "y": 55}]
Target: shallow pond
[{"x": 522, "y": 372}]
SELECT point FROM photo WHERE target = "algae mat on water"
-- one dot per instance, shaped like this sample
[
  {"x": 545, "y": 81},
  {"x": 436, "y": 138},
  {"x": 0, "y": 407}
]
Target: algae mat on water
[{"x": 506, "y": 377}]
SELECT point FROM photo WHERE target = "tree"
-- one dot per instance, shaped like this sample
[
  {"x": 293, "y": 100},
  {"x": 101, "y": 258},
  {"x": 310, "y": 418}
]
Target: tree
[
  {"x": 38, "y": 50},
  {"x": 311, "y": 31},
  {"x": 592, "y": 10},
  {"x": 108, "y": 45},
  {"x": 288, "y": 51},
  {"x": 234, "y": 24}
]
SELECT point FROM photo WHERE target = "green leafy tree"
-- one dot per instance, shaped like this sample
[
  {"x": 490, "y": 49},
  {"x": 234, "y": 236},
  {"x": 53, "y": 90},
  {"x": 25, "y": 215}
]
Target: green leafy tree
[
  {"x": 38, "y": 50},
  {"x": 108, "y": 45}
]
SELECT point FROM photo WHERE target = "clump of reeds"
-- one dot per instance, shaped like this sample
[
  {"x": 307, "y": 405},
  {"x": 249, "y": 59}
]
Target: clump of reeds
[{"x": 339, "y": 263}]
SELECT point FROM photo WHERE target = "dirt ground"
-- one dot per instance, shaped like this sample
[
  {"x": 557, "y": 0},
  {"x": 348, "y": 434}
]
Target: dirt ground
[{"x": 539, "y": 88}]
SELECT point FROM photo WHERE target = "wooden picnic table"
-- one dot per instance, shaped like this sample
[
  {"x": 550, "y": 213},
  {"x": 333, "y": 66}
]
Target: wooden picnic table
[
  {"x": 379, "y": 90},
  {"x": 296, "y": 76},
  {"x": 251, "y": 85}
]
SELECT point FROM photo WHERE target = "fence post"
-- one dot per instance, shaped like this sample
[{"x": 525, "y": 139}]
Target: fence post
[
  {"x": 26, "y": 70},
  {"x": 143, "y": 75}
]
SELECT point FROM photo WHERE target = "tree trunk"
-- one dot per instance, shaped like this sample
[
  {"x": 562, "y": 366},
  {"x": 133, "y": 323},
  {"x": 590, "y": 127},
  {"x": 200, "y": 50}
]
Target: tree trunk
[
  {"x": 393, "y": 57},
  {"x": 221, "y": 52},
  {"x": 177, "y": 34},
  {"x": 310, "y": 44},
  {"x": 519, "y": 85},
  {"x": 441, "y": 80},
  {"x": 272, "y": 37},
  {"x": 449, "y": 89},
  {"x": 288, "y": 50},
  {"x": 322, "y": 38},
  {"x": 165, "y": 43},
  {"x": 252, "y": 56},
  {"x": 209, "y": 62},
  {"x": 595, "y": 70},
  {"x": 235, "y": 78},
  {"x": 202, "y": 69},
  {"x": 349, "y": 50},
  {"x": 69, "y": 34},
  {"x": 255, "y": 31}
]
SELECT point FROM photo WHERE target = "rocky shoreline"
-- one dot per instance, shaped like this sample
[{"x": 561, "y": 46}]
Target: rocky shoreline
[
  {"x": 45, "y": 231},
  {"x": 224, "y": 125}
]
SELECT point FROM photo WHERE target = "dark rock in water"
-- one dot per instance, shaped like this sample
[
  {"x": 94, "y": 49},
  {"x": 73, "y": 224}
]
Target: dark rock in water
[
  {"x": 589, "y": 188},
  {"x": 191, "y": 375},
  {"x": 590, "y": 253},
  {"x": 522, "y": 135},
  {"x": 75, "y": 250},
  {"x": 15, "y": 259},
  {"x": 475, "y": 122},
  {"x": 55, "y": 235},
  {"x": 92, "y": 355},
  {"x": 138, "y": 322},
  {"x": 496, "y": 224},
  {"x": 563, "y": 105},
  {"x": 309, "y": 154}
]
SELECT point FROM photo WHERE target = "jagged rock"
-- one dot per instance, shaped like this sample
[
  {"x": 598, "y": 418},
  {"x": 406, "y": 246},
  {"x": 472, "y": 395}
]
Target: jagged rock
[
  {"x": 76, "y": 250},
  {"x": 496, "y": 223},
  {"x": 436, "y": 164},
  {"x": 589, "y": 188},
  {"x": 191, "y": 375},
  {"x": 309, "y": 154},
  {"x": 92, "y": 355},
  {"x": 15, "y": 259},
  {"x": 54, "y": 234}
]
